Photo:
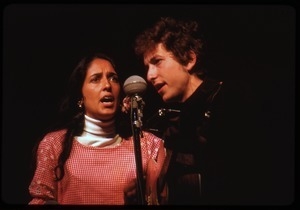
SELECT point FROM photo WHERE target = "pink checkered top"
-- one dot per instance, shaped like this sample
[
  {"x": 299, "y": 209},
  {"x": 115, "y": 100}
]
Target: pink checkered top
[{"x": 93, "y": 175}]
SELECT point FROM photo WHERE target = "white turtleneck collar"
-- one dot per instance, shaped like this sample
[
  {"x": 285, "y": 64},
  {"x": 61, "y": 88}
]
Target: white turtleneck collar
[{"x": 98, "y": 133}]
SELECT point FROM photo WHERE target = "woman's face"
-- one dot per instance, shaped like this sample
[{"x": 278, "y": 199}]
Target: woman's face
[{"x": 100, "y": 90}]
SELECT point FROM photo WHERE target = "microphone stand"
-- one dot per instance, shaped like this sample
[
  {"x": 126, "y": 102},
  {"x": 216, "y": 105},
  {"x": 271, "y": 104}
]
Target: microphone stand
[{"x": 136, "y": 114}]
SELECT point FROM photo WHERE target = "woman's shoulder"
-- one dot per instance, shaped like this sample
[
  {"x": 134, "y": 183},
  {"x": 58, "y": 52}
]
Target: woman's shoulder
[
  {"x": 150, "y": 137},
  {"x": 148, "y": 134},
  {"x": 53, "y": 137},
  {"x": 56, "y": 133}
]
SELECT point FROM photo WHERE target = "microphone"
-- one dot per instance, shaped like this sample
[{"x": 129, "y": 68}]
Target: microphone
[{"x": 134, "y": 85}]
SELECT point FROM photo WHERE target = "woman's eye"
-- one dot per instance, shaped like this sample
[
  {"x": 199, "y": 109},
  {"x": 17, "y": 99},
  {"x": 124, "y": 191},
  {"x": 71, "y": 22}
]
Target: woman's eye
[
  {"x": 95, "y": 79},
  {"x": 114, "y": 78}
]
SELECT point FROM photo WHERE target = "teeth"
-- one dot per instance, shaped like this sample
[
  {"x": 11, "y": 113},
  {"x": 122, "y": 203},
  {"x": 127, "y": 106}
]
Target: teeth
[{"x": 107, "y": 99}]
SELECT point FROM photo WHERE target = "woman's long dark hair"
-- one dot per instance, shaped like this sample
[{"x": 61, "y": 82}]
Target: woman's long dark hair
[{"x": 71, "y": 116}]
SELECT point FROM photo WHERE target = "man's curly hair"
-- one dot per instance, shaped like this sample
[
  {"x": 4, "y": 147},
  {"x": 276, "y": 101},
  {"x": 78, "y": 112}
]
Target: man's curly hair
[{"x": 177, "y": 36}]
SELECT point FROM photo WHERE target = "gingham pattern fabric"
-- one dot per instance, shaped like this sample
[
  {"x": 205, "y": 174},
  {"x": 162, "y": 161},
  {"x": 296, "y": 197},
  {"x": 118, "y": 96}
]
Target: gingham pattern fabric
[{"x": 93, "y": 175}]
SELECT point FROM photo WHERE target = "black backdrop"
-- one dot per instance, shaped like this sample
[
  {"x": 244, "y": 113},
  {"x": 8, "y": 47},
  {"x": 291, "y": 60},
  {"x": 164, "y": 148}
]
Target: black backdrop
[{"x": 42, "y": 44}]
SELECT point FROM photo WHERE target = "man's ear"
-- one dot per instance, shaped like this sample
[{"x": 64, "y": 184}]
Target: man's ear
[{"x": 192, "y": 62}]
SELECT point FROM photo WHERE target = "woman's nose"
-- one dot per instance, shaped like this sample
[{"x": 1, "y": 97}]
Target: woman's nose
[{"x": 107, "y": 84}]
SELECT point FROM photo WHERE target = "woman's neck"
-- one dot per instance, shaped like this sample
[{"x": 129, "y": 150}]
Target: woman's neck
[{"x": 97, "y": 132}]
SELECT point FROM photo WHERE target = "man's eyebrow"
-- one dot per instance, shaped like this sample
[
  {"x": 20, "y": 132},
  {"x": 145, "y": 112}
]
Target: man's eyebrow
[{"x": 153, "y": 59}]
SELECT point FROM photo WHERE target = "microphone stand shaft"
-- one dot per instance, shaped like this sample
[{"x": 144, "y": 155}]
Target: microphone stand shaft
[{"x": 137, "y": 152}]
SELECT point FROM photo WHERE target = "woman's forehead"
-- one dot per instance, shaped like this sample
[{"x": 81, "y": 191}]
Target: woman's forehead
[{"x": 100, "y": 65}]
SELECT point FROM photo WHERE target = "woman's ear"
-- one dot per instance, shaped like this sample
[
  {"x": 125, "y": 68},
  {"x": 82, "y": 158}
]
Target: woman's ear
[{"x": 192, "y": 62}]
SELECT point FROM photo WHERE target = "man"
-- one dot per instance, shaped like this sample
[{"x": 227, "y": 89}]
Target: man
[{"x": 209, "y": 144}]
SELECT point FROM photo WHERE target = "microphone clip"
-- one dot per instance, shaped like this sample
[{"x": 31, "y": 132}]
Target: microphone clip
[{"x": 137, "y": 105}]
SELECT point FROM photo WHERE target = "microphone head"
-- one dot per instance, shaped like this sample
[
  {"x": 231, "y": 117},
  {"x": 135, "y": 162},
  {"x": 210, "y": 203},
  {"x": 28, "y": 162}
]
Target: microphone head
[{"x": 134, "y": 85}]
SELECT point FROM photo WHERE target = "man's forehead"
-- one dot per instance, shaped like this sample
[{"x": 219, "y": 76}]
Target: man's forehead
[{"x": 158, "y": 51}]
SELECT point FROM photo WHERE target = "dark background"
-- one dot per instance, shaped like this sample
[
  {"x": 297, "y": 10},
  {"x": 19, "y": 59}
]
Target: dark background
[{"x": 43, "y": 43}]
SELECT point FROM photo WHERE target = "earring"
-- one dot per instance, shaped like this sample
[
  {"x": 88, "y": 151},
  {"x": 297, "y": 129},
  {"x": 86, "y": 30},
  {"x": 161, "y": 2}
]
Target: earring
[{"x": 80, "y": 103}]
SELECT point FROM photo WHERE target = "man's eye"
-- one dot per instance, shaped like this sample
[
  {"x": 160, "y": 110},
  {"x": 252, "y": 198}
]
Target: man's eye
[{"x": 157, "y": 61}]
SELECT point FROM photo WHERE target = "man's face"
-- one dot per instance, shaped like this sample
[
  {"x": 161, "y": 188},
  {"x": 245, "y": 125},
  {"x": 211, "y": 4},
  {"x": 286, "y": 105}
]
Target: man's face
[{"x": 166, "y": 74}]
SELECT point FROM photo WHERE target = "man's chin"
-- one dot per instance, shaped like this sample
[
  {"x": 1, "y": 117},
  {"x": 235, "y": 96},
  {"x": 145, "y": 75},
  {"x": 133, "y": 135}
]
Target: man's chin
[{"x": 167, "y": 99}]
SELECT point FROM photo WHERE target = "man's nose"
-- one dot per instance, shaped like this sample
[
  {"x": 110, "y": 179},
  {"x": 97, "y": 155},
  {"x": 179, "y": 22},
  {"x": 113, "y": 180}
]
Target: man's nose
[{"x": 151, "y": 73}]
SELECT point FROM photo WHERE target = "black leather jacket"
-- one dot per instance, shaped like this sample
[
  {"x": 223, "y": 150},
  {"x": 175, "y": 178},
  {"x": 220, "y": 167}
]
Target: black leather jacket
[{"x": 208, "y": 140}]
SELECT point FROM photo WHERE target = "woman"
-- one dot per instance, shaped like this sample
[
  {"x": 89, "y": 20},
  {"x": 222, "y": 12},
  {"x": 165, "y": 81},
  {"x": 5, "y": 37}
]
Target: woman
[{"x": 88, "y": 158}]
